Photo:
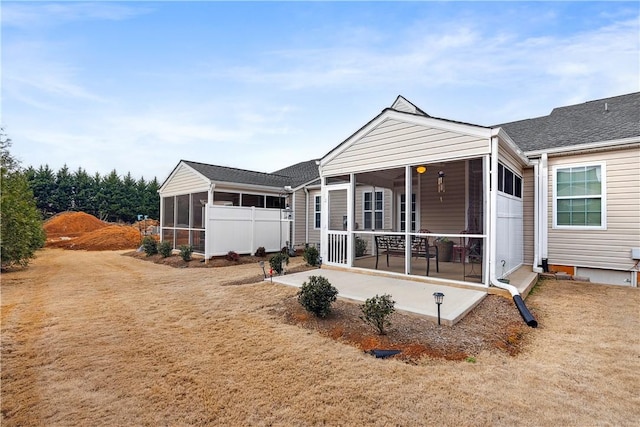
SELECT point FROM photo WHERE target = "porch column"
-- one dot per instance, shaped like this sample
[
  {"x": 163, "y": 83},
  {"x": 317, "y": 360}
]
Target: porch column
[
  {"x": 407, "y": 218},
  {"x": 351, "y": 220}
]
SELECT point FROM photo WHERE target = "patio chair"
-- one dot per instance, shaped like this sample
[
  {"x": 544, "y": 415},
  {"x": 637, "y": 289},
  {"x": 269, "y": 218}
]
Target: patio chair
[
  {"x": 429, "y": 251},
  {"x": 460, "y": 250}
]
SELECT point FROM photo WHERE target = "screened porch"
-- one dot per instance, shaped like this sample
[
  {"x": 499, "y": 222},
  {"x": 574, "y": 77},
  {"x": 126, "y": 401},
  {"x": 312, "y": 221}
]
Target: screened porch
[{"x": 437, "y": 232}]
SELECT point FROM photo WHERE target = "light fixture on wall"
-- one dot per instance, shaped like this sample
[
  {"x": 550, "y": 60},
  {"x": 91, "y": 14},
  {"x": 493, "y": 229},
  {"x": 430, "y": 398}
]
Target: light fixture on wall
[{"x": 421, "y": 169}]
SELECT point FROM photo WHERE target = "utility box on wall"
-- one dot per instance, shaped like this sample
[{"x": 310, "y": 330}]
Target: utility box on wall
[{"x": 635, "y": 253}]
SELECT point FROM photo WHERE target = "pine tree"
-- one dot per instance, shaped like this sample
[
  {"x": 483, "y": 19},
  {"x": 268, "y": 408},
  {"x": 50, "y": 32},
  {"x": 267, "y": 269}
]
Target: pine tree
[{"x": 21, "y": 232}]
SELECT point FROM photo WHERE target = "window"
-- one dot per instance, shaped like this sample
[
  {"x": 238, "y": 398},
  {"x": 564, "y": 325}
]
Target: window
[
  {"x": 256, "y": 200},
  {"x": 509, "y": 182},
  {"x": 373, "y": 210},
  {"x": 275, "y": 202},
  {"x": 316, "y": 210},
  {"x": 579, "y": 196},
  {"x": 228, "y": 199},
  {"x": 403, "y": 213}
]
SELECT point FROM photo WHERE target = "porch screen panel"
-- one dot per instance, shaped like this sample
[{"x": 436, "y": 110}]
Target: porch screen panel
[
  {"x": 168, "y": 211},
  {"x": 338, "y": 210},
  {"x": 182, "y": 211},
  {"x": 198, "y": 202}
]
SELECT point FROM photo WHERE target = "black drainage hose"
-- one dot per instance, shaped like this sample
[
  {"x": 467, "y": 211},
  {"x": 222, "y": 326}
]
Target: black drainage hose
[{"x": 524, "y": 312}]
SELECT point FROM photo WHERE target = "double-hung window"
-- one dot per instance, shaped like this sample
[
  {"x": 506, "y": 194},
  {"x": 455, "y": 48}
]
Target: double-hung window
[
  {"x": 316, "y": 211},
  {"x": 580, "y": 196},
  {"x": 373, "y": 210}
]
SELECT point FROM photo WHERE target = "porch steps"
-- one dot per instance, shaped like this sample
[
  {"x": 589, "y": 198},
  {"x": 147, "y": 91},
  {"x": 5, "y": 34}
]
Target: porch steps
[{"x": 524, "y": 279}]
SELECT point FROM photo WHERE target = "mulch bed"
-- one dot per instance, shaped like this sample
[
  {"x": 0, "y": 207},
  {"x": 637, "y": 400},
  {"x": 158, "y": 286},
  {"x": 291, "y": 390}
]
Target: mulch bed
[{"x": 495, "y": 324}]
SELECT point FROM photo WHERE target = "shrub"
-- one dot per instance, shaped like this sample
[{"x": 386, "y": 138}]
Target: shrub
[
  {"x": 150, "y": 245},
  {"x": 185, "y": 252},
  {"x": 276, "y": 262},
  {"x": 317, "y": 295},
  {"x": 232, "y": 256},
  {"x": 376, "y": 310},
  {"x": 165, "y": 249},
  {"x": 311, "y": 256},
  {"x": 261, "y": 252},
  {"x": 361, "y": 246}
]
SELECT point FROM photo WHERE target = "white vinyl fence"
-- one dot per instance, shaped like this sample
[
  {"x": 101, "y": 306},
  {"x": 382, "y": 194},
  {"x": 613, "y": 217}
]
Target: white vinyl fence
[{"x": 245, "y": 229}]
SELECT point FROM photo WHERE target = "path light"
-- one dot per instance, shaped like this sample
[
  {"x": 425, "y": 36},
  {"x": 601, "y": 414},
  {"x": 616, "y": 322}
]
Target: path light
[
  {"x": 261, "y": 264},
  {"x": 438, "y": 297}
]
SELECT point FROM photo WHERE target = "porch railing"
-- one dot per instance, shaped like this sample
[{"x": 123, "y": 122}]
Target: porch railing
[{"x": 337, "y": 247}]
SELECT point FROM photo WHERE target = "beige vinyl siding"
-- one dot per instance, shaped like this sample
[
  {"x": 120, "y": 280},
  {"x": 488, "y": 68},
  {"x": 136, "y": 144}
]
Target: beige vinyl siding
[
  {"x": 387, "y": 206},
  {"x": 395, "y": 143},
  {"x": 528, "y": 209},
  {"x": 185, "y": 180},
  {"x": 447, "y": 216},
  {"x": 314, "y": 234},
  {"x": 299, "y": 217},
  {"x": 610, "y": 248},
  {"x": 510, "y": 161}
]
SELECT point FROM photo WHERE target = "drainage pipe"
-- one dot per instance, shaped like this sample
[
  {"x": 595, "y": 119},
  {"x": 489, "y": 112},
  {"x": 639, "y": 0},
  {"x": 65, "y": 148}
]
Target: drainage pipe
[
  {"x": 515, "y": 294},
  {"x": 517, "y": 299}
]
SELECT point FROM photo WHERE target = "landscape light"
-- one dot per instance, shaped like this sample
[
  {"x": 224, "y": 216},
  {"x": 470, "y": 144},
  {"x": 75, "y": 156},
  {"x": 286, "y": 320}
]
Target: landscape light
[{"x": 439, "y": 296}]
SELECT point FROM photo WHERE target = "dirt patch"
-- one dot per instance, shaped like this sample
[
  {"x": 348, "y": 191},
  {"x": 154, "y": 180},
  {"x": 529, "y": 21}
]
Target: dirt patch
[
  {"x": 81, "y": 231},
  {"x": 71, "y": 224},
  {"x": 108, "y": 238}
]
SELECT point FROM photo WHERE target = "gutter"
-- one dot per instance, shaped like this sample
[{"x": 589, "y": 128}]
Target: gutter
[{"x": 515, "y": 294}]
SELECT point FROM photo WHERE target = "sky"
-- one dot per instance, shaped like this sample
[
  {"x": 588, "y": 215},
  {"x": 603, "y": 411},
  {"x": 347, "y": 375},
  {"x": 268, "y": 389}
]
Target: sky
[{"x": 139, "y": 86}]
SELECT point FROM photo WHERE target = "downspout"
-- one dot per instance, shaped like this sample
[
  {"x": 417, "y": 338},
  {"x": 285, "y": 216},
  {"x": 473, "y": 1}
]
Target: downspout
[
  {"x": 544, "y": 210},
  {"x": 515, "y": 294},
  {"x": 306, "y": 215},
  {"x": 536, "y": 216}
]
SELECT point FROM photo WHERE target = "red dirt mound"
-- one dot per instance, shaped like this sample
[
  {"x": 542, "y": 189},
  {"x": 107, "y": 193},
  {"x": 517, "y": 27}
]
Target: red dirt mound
[
  {"x": 108, "y": 238},
  {"x": 71, "y": 224}
]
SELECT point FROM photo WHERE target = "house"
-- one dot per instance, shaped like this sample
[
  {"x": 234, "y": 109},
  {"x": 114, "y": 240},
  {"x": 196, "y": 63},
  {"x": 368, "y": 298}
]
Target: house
[
  {"x": 560, "y": 191},
  {"x": 557, "y": 192},
  {"x": 218, "y": 209}
]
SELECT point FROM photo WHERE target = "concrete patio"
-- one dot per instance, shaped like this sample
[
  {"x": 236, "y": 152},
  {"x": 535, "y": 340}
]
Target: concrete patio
[{"x": 410, "y": 295}]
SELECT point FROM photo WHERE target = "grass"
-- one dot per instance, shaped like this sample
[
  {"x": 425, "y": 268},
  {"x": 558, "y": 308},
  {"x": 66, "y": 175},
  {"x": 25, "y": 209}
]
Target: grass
[{"x": 95, "y": 338}]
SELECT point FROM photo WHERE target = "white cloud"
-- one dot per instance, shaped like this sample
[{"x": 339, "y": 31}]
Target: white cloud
[{"x": 34, "y": 15}]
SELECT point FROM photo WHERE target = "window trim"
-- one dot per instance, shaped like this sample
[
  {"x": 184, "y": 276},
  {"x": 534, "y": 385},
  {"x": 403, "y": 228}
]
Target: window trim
[
  {"x": 317, "y": 213},
  {"x": 502, "y": 184},
  {"x": 603, "y": 196},
  {"x": 373, "y": 210}
]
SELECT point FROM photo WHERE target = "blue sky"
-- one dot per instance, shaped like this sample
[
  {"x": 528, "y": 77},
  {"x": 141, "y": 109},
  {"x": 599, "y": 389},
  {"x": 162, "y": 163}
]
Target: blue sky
[{"x": 137, "y": 86}]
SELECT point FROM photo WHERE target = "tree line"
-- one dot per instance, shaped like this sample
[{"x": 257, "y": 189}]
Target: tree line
[
  {"x": 27, "y": 196},
  {"x": 107, "y": 197}
]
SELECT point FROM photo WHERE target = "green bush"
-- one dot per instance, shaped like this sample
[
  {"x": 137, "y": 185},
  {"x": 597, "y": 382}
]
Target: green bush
[
  {"x": 276, "y": 262},
  {"x": 165, "y": 249},
  {"x": 185, "y": 252},
  {"x": 261, "y": 252},
  {"x": 150, "y": 245},
  {"x": 376, "y": 310},
  {"x": 317, "y": 295},
  {"x": 311, "y": 256},
  {"x": 361, "y": 246}
]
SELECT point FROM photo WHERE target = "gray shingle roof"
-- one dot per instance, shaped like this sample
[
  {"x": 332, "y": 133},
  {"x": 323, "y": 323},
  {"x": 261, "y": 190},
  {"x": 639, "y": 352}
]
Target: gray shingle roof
[
  {"x": 300, "y": 173},
  {"x": 240, "y": 176},
  {"x": 579, "y": 124},
  {"x": 295, "y": 175}
]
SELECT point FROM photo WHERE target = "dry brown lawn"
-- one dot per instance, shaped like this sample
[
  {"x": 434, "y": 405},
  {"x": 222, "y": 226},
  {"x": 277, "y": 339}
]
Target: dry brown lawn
[{"x": 97, "y": 338}]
